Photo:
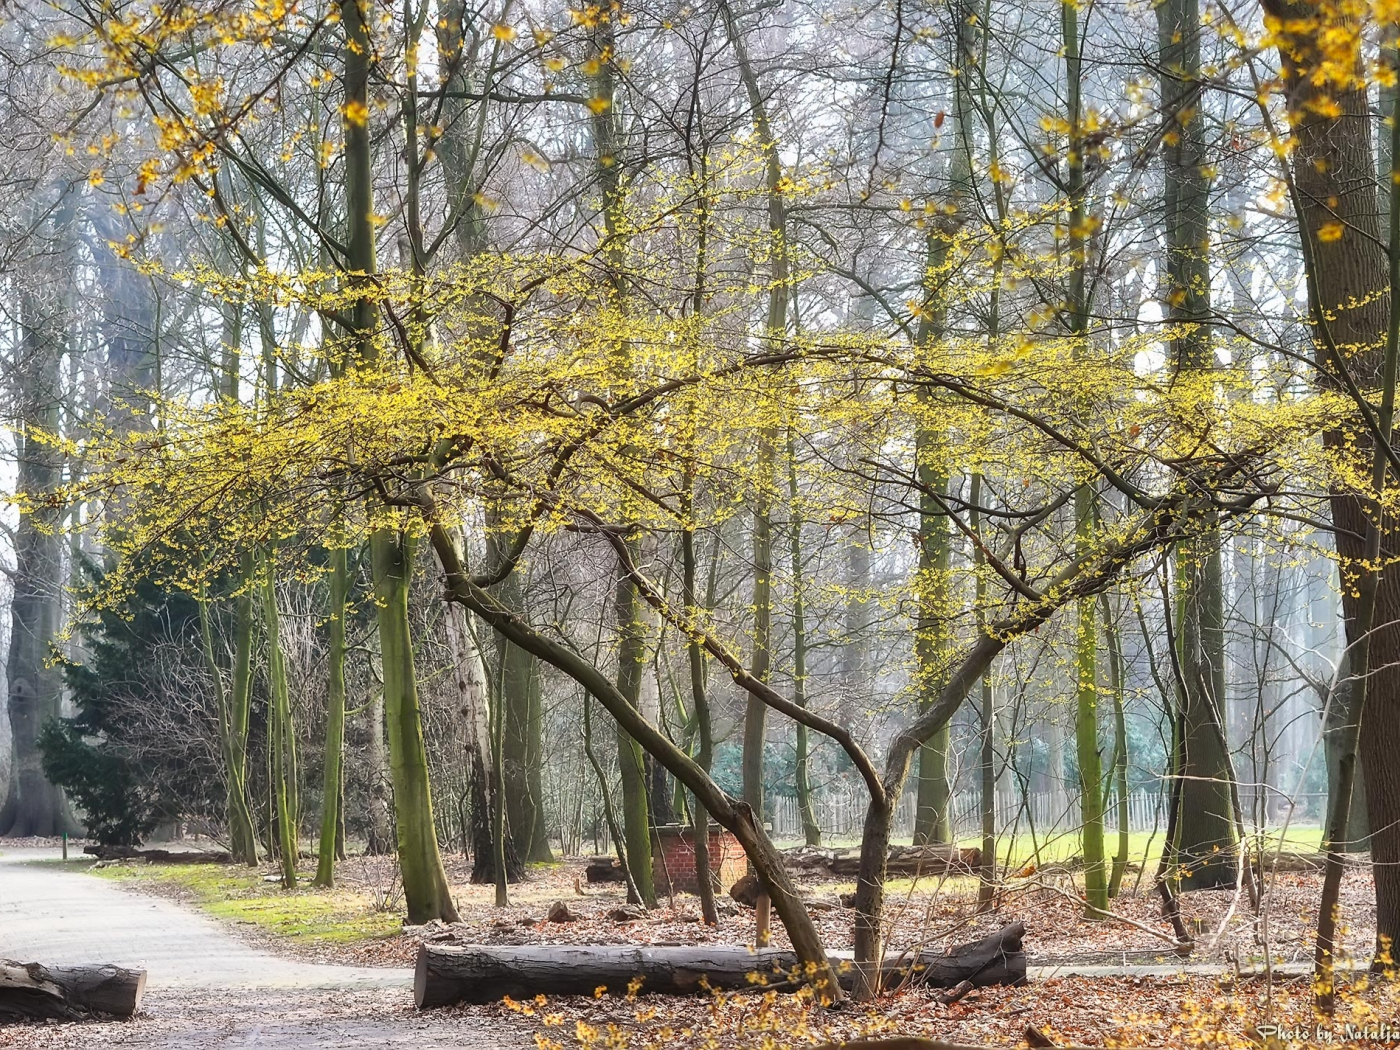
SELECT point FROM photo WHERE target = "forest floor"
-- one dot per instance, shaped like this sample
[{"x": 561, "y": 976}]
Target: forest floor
[
  {"x": 1092, "y": 982},
  {"x": 358, "y": 922}
]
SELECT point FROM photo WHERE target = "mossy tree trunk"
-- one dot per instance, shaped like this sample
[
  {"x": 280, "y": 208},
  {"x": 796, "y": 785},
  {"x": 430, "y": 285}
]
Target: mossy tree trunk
[
  {"x": 933, "y": 634},
  {"x": 775, "y": 332},
  {"x": 1205, "y": 849},
  {"x": 1119, "y": 765},
  {"x": 331, "y": 791},
  {"x": 426, "y": 892},
  {"x": 281, "y": 728},
  {"x": 811, "y": 830},
  {"x": 629, "y": 612}
]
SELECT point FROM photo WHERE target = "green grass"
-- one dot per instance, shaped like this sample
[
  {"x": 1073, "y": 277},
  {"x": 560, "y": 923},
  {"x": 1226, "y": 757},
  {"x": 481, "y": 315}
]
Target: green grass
[
  {"x": 76, "y": 862},
  {"x": 305, "y": 915},
  {"x": 1015, "y": 852}
]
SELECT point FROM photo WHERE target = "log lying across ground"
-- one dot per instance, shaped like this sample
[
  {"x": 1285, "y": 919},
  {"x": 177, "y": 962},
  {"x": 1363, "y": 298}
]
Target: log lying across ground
[
  {"x": 159, "y": 856},
  {"x": 31, "y": 992},
  {"x": 604, "y": 869},
  {"x": 936, "y": 859},
  {"x": 448, "y": 974},
  {"x": 1292, "y": 862}
]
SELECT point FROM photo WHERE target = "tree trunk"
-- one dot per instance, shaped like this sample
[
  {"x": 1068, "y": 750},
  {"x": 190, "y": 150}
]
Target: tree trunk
[
  {"x": 335, "y": 718},
  {"x": 232, "y": 742},
  {"x": 1335, "y": 742},
  {"x": 522, "y": 737},
  {"x": 379, "y": 805},
  {"x": 704, "y": 728},
  {"x": 1120, "y": 744},
  {"x": 775, "y": 331},
  {"x": 1086, "y": 737},
  {"x": 935, "y": 612},
  {"x": 240, "y": 708},
  {"x": 987, "y": 873},
  {"x": 445, "y": 974},
  {"x": 280, "y": 730},
  {"x": 232, "y": 701},
  {"x": 473, "y": 695},
  {"x": 755, "y": 710},
  {"x": 1086, "y": 720},
  {"x": 609, "y": 814},
  {"x": 1349, "y": 287},
  {"x": 636, "y": 823},
  {"x": 33, "y": 806},
  {"x": 802, "y": 777},
  {"x": 31, "y": 992},
  {"x": 1205, "y": 848},
  {"x": 426, "y": 893}
]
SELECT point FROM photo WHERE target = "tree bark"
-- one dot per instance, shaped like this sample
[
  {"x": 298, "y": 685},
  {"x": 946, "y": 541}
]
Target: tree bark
[
  {"x": 281, "y": 730},
  {"x": 426, "y": 891},
  {"x": 1086, "y": 720},
  {"x": 32, "y": 805},
  {"x": 1349, "y": 290},
  {"x": 775, "y": 331},
  {"x": 802, "y": 777},
  {"x": 447, "y": 974},
  {"x": 1120, "y": 744},
  {"x": 473, "y": 693},
  {"x": 31, "y": 992},
  {"x": 1205, "y": 849},
  {"x": 335, "y": 719},
  {"x": 522, "y": 737}
]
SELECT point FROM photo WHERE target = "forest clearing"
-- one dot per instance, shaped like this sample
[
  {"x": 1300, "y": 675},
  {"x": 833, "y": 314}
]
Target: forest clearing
[{"x": 699, "y": 523}]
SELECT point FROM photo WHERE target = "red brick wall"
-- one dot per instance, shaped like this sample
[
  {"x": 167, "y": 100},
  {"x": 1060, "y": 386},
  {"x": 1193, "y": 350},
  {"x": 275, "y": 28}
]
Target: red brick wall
[{"x": 673, "y": 860}]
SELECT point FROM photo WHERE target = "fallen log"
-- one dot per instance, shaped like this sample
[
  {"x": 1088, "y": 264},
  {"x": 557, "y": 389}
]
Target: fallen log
[
  {"x": 933, "y": 859},
  {"x": 937, "y": 859},
  {"x": 159, "y": 856},
  {"x": 1291, "y": 862},
  {"x": 915, "y": 1042},
  {"x": 32, "y": 992},
  {"x": 604, "y": 869},
  {"x": 480, "y": 974}
]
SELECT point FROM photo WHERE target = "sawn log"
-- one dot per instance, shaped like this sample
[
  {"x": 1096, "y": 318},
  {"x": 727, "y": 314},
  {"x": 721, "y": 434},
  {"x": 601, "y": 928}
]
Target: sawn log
[
  {"x": 32, "y": 992},
  {"x": 448, "y": 974}
]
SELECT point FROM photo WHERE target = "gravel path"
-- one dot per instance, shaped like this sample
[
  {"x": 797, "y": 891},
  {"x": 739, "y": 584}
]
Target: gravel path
[{"x": 204, "y": 987}]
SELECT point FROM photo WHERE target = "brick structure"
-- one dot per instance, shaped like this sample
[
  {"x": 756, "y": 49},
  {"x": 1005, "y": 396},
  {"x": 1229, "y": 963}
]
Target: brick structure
[{"x": 673, "y": 858}]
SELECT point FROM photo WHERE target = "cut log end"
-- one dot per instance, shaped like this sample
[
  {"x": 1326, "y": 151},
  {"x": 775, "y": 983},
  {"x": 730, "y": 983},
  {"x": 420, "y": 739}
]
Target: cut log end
[{"x": 33, "y": 992}]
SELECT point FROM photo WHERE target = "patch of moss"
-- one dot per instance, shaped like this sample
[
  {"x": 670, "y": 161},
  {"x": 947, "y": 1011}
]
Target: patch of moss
[{"x": 306, "y": 915}]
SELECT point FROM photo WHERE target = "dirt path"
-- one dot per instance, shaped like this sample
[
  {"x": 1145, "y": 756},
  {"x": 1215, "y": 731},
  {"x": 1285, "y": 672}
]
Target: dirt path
[{"x": 204, "y": 987}]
